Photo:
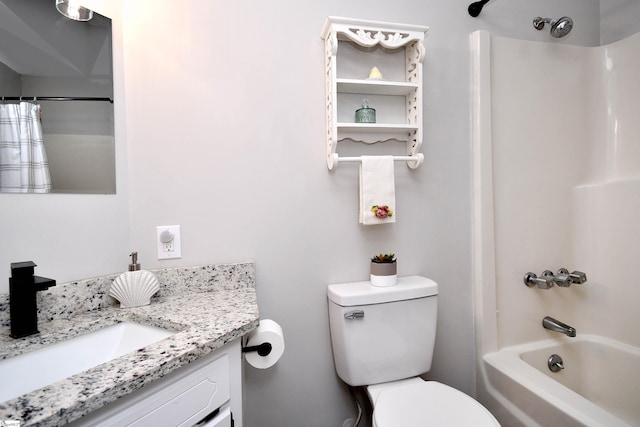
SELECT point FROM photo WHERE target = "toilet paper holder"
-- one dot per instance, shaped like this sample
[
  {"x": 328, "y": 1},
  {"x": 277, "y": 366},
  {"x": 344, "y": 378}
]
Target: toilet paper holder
[
  {"x": 263, "y": 346},
  {"x": 263, "y": 349}
]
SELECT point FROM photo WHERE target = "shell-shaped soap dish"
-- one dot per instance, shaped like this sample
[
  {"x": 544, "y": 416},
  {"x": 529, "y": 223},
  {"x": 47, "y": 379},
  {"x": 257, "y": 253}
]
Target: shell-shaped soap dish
[{"x": 134, "y": 288}]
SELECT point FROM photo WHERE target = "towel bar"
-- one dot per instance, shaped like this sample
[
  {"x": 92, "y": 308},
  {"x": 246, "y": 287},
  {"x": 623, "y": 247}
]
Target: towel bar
[{"x": 412, "y": 161}]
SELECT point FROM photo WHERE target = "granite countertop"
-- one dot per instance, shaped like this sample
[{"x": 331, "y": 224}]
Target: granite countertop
[{"x": 203, "y": 321}]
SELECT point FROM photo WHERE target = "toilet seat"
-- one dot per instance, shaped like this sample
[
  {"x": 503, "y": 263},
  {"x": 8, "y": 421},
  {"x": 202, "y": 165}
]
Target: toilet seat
[{"x": 428, "y": 403}]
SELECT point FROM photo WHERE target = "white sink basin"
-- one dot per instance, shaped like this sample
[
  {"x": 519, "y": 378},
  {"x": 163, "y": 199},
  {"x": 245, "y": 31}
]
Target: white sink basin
[{"x": 31, "y": 371}]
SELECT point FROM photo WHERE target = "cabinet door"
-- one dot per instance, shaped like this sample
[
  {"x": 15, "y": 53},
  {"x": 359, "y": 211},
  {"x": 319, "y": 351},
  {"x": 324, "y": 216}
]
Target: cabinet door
[
  {"x": 181, "y": 398},
  {"x": 188, "y": 400},
  {"x": 223, "y": 419}
]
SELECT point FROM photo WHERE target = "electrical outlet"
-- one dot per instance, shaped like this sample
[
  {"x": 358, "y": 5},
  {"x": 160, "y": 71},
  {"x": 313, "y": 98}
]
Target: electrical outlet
[{"x": 168, "y": 242}]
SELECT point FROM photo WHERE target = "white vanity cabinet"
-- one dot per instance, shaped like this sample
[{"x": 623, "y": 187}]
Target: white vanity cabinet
[
  {"x": 352, "y": 48},
  {"x": 206, "y": 392}
]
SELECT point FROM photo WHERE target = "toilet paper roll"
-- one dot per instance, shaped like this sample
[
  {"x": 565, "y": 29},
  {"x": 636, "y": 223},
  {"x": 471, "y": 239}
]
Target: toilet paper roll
[{"x": 268, "y": 331}]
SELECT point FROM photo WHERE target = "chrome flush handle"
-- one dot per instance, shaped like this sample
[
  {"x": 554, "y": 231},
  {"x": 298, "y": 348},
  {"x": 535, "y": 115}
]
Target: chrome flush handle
[{"x": 355, "y": 314}]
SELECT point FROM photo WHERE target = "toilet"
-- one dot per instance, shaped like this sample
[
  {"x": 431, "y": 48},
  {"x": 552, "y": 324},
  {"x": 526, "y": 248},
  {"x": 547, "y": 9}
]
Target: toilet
[{"x": 383, "y": 338}]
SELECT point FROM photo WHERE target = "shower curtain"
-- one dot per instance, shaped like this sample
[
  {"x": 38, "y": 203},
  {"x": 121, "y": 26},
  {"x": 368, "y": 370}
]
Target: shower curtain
[{"x": 23, "y": 160}]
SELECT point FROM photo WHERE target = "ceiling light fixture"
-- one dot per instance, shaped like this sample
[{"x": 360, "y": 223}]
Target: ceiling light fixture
[{"x": 72, "y": 9}]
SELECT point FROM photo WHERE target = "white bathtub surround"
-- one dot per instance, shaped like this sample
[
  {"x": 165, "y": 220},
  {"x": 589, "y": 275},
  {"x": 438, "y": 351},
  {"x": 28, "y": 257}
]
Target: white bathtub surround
[
  {"x": 598, "y": 386},
  {"x": 556, "y": 169},
  {"x": 208, "y": 306}
]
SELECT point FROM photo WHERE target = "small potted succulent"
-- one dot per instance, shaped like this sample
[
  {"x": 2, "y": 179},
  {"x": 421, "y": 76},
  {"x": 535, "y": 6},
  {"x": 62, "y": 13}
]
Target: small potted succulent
[{"x": 384, "y": 270}]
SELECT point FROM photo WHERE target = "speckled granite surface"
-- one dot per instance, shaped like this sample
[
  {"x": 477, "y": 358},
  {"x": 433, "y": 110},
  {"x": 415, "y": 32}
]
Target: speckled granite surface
[{"x": 208, "y": 306}]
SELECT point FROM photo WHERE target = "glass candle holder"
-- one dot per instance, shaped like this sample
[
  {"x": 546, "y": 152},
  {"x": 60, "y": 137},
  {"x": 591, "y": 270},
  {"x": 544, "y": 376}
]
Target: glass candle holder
[{"x": 365, "y": 114}]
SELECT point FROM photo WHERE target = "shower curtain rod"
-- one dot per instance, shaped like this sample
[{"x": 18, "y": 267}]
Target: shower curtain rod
[{"x": 53, "y": 98}]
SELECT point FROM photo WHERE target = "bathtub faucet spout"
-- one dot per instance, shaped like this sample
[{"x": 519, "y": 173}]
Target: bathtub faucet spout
[{"x": 557, "y": 326}]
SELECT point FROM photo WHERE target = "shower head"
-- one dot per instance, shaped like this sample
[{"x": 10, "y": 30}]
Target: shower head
[{"x": 559, "y": 27}]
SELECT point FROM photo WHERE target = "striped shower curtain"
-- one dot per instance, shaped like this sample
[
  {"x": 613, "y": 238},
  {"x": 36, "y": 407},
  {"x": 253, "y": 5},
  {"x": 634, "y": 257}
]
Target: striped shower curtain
[{"x": 23, "y": 160}]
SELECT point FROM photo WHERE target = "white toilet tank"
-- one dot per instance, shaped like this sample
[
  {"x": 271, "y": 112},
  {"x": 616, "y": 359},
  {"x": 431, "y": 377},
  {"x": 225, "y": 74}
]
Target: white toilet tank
[{"x": 382, "y": 334}]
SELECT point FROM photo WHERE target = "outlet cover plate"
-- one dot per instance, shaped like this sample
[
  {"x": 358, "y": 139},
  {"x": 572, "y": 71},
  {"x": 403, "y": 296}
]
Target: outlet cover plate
[{"x": 168, "y": 249}]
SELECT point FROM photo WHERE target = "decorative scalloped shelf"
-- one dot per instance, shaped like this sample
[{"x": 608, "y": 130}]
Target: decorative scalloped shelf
[
  {"x": 371, "y": 133},
  {"x": 391, "y": 37}
]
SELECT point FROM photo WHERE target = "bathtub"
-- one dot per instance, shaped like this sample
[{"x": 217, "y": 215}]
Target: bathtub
[{"x": 599, "y": 387}]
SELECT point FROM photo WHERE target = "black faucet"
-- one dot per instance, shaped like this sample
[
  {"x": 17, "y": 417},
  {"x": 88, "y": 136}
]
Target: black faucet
[{"x": 23, "y": 286}]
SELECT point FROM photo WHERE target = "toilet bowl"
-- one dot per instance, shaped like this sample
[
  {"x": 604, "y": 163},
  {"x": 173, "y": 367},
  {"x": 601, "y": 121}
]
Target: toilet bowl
[
  {"x": 417, "y": 403},
  {"x": 383, "y": 338}
]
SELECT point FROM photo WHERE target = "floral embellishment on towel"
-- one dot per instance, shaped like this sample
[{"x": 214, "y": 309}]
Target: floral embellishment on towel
[{"x": 381, "y": 211}]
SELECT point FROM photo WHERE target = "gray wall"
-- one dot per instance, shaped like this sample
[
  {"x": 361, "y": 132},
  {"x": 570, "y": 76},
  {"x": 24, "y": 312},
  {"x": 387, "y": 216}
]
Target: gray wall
[
  {"x": 222, "y": 131},
  {"x": 9, "y": 81}
]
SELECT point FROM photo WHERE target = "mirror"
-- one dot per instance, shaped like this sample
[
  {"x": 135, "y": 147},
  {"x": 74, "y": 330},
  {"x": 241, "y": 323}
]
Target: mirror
[{"x": 46, "y": 55}]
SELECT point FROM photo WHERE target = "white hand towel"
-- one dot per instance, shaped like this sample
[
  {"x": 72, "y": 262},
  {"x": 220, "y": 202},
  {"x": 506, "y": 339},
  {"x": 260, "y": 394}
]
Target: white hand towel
[{"x": 377, "y": 190}]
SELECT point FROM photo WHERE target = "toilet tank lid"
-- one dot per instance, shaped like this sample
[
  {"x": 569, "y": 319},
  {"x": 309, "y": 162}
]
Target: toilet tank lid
[{"x": 363, "y": 293}]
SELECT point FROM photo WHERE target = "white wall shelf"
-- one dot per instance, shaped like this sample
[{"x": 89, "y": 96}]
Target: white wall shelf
[
  {"x": 398, "y": 100},
  {"x": 374, "y": 87},
  {"x": 375, "y": 127}
]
